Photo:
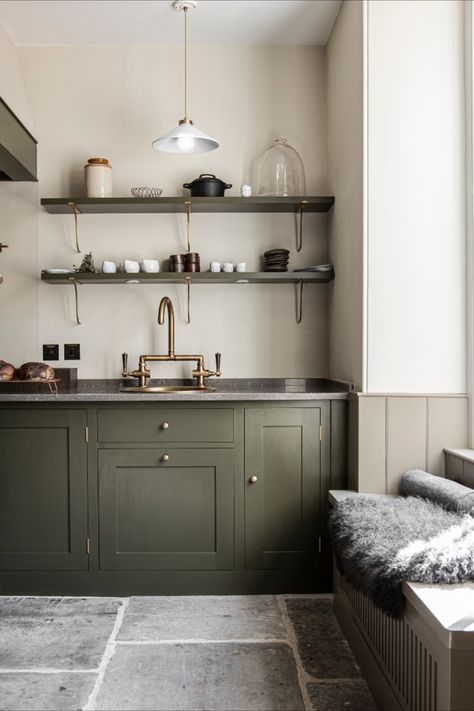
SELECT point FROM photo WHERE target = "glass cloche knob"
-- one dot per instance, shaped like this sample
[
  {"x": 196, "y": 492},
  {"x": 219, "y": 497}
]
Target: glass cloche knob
[{"x": 280, "y": 171}]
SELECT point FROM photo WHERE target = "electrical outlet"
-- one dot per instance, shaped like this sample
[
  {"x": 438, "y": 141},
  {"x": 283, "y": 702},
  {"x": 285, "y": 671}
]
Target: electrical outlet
[
  {"x": 72, "y": 351},
  {"x": 50, "y": 351}
]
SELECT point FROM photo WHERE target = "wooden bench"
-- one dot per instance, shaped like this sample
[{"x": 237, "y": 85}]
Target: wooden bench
[{"x": 423, "y": 661}]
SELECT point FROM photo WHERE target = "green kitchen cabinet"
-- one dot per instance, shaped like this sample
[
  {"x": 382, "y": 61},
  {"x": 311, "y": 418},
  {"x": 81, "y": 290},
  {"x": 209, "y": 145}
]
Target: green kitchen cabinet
[
  {"x": 282, "y": 487},
  {"x": 43, "y": 490},
  {"x": 166, "y": 509}
]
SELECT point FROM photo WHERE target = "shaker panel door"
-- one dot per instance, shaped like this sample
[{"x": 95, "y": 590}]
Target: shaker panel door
[
  {"x": 282, "y": 452},
  {"x": 166, "y": 515},
  {"x": 43, "y": 490}
]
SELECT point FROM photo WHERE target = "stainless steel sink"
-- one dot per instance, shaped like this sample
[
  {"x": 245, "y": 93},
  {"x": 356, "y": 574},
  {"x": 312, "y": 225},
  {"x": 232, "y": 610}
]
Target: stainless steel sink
[{"x": 166, "y": 389}]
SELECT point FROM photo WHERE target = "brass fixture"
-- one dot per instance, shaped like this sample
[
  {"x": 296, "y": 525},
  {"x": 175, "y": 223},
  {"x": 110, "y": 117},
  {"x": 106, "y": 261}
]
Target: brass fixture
[
  {"x": 76, "y": 212},
  {"x": 143, "y": 373},
  {"x": 5, "y": 246},
  {"x": 253, "y": 479},
  {"x": 165, "y": 457}
]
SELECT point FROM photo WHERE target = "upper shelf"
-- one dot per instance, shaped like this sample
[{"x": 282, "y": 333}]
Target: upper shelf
[{"x": 199, "y": 204}]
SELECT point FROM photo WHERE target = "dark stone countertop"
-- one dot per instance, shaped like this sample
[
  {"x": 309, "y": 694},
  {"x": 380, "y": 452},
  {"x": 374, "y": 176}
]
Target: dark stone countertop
[{"x": 238, "y": 389}]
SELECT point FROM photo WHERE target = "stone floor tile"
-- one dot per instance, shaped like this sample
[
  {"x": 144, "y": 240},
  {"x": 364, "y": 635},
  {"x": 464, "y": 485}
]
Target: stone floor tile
[
  {"x": 48, "y": 692},
  {"x": 55, "y": 633},
  {"x": 324, "y": 652},
  {"x": 195, "y": 677},
  {"x": 351, "y": 695},
  {"x": 203, "y": 617}
]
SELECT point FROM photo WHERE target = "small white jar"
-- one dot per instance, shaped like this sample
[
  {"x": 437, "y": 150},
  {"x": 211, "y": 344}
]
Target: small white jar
[{"x": 98, "y": 178}]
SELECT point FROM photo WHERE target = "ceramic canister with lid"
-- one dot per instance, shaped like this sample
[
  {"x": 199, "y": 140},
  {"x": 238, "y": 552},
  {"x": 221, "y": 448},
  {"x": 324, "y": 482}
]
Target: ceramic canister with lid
[{"x": 98, "y": 177}]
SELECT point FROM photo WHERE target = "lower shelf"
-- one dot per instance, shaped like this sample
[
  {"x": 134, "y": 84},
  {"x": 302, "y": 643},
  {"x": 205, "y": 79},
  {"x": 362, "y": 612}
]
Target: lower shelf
[{"x": 196, "y": 278}]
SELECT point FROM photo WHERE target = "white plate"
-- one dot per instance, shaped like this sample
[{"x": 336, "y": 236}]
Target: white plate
[{"x": 58, "y": 271}]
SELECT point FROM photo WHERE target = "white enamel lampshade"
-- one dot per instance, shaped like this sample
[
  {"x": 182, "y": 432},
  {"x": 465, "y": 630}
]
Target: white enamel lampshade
[{"x": 185, "y": 138}]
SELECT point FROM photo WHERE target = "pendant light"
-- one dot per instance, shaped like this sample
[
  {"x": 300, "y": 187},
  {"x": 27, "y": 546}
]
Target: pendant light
[{"x": 185, "y": 138}]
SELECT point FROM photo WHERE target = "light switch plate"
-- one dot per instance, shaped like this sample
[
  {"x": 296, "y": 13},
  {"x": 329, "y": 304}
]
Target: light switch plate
[
  {"x": 50, "y": 351},
  {"x": 72, "y": 351}
]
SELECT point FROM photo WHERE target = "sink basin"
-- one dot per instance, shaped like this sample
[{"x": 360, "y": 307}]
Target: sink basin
[{"x": 167, "y": 389}]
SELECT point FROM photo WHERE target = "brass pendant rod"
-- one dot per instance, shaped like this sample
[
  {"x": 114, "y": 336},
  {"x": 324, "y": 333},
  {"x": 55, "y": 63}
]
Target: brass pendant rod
[{"x": 185, "y": 62}]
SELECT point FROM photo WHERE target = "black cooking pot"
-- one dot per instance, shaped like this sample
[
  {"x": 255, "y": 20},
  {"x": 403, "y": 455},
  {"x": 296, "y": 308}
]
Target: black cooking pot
[{"x": 207, "y": 185}]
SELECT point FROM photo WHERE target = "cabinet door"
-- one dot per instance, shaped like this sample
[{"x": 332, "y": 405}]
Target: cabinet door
[
  {"x": 282, "y": 451},
  {"x": 176, "y": 514},
  {"x": 43, "y": 490}
]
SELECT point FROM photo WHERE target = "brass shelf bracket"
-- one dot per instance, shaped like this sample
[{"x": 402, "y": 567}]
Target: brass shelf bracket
[
  {"x": 76, "y": 212},
  {"x": 299, "y": 301},
  {"x": 75, "y": 282},
  {"x": 189, "y": 281},
  {"x": 299, "y": 225},
  {"x": 188, "y": 205}
]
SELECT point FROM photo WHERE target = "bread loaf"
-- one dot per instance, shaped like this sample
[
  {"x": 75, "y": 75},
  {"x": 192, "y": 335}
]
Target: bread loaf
[
  {"x": 33, "y": 371},
  {"x": 7, "y": 371}
]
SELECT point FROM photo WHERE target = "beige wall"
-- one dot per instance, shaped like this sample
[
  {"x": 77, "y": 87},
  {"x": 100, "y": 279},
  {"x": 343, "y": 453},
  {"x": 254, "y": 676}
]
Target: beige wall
[
  {"x": 12, "y": 89},
  {"x": 392, "y": 433},
  {"x": 19, "y": 229},
  {"x": 345, "y": 173},
  {"x": 416, "y": 218},
  {"x": 113, "y": 101}
]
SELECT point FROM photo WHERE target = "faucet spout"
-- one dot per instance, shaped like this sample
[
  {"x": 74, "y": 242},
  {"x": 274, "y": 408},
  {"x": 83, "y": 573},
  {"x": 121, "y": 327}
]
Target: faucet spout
[{"x": 165, "y": 303}]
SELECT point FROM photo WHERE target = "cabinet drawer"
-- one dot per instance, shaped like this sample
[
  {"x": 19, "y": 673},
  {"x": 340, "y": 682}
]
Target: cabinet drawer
[{"x": 166, "y": 424}]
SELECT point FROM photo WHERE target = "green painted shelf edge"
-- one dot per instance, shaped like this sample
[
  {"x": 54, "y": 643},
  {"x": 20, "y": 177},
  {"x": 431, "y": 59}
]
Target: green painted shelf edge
[
  {"x": 177, "y": 204},
  {"x": 196, "y": 278}
]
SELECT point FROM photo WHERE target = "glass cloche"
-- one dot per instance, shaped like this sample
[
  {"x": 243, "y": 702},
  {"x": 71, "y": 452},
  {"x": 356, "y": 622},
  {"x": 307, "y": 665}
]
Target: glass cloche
[{"x": 280, "y": 171}]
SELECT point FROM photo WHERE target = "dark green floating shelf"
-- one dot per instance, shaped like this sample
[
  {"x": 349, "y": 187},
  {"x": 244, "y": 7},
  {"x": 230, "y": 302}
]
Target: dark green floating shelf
[
  {"x": 177, "y": 204},
  {"x": 196, "y": 278}
]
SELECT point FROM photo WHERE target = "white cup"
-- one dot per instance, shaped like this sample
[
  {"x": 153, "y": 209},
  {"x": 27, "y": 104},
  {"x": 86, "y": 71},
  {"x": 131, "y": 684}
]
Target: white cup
[
  {"x": 246, "y": 190},
  {"x": 215, "y": 266},
  {"x": 241, "y": 267},
  {"x": 109, "y": 267},
  {"x": 228, "y": 267},
  {"x": 151, "y": 266},
  {"x": 131, "y": 267}
]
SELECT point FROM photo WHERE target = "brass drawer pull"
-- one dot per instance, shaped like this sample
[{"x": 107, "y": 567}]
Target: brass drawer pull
[
  {"x": 253, "y": 479},
  {"x": 165, "y": 425},
  {"x": 165, "y": 458}
]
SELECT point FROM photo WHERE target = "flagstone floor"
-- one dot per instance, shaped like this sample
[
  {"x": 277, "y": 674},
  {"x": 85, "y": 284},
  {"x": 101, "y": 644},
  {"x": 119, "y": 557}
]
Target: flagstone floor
[{"x": 232, "y": 653}]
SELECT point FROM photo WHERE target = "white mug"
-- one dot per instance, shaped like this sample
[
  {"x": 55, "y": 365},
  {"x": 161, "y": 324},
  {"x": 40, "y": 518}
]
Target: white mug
[
  {"x": 151, "y": 266},
  {"x": 228, "y": 267},
  {"x": 109, "y": 267},
  {"x": 215, "y": 266},
  {"x": 242, "y": 267},
  {"x": 131, "y": 267}
]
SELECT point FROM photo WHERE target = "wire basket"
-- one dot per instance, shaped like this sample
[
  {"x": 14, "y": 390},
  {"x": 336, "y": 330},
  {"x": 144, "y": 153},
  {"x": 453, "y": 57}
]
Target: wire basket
[{"x": 146, "y": 192}]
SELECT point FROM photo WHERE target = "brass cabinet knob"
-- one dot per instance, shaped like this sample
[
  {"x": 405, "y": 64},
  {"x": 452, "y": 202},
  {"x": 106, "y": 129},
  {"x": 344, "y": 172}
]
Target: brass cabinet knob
[
  {"x": 165, "y": 425},
  {"x": 165, "y": 457},
  {"x": 253, "y": 479}
]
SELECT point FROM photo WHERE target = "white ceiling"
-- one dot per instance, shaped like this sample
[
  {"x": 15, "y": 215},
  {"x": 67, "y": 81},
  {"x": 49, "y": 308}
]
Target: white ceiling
[{"x": 62, "y": 22}]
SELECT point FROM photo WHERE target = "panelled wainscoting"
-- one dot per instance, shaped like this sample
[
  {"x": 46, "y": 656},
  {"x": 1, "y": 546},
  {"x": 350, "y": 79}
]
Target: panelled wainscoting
[{"x": 389, "y": 434}]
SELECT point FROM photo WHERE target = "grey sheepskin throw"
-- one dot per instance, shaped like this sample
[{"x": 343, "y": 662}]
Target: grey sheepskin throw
[{"x": 380, "y": 543}]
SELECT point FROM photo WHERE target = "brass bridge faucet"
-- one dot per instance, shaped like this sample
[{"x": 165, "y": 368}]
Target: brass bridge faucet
[{"x": 143, "y": 373}]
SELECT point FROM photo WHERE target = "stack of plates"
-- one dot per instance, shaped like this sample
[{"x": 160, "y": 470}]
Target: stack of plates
[
  {"x": 316, "y": 268},
  {"x": 276, "y": 260}
]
